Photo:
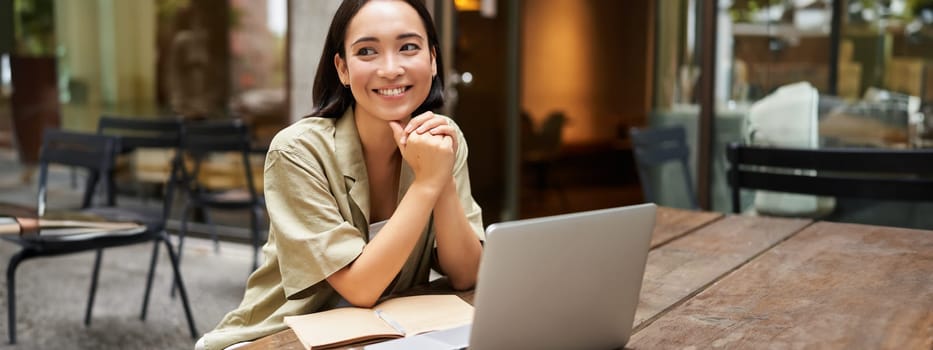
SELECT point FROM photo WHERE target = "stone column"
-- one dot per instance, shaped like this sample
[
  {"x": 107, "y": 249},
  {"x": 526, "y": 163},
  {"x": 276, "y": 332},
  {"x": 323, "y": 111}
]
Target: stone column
[{"x": 308, "y": 22}]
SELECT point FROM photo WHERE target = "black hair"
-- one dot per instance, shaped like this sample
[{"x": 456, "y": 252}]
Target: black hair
[{"x": 331, "y": 98}]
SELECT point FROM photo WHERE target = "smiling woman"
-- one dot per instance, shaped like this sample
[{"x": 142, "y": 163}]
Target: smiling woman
[
  {"x": 371, "y": 155},
  {"x": 386, "y": 63}
]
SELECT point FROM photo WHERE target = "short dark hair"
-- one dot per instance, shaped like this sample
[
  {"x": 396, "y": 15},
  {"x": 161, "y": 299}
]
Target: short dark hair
[{"x": 331, "y": 98}]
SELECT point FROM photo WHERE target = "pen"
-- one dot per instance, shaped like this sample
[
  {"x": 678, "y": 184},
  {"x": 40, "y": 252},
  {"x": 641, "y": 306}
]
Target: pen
[{"x": 391, "y": 322}]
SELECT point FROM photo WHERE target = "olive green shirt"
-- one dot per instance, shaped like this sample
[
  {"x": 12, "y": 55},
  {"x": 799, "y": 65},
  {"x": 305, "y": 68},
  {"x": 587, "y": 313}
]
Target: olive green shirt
[{"x": 317, "y": 196}]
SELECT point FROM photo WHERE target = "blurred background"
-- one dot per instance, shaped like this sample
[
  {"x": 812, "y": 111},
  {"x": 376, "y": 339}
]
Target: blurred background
[
  {"x": 554, "y": 97},
  {"x": 545, "y": 90}
]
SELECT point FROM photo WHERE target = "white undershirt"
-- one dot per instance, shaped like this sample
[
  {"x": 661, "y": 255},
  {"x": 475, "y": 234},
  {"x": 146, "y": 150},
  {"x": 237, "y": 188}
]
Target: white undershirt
[{"x": 375, "y": 228}]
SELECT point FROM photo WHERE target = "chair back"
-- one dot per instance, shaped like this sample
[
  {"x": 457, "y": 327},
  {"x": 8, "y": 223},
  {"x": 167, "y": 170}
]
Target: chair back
[
  {"x": 95, "y": 153},
  {"x": 868, "y": 173},
  {"x": 136, "y": 133},
  {"x": 211, "y": 137},
  {"x": 654, "y": 147}
]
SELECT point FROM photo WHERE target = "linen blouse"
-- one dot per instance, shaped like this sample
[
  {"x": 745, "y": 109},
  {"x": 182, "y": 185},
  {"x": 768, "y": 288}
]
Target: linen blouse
[{"x": 317, "y": 195}]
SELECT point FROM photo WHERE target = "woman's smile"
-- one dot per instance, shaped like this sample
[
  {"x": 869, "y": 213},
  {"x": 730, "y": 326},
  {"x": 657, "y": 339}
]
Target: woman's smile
[{"x": 392, "y": 92}]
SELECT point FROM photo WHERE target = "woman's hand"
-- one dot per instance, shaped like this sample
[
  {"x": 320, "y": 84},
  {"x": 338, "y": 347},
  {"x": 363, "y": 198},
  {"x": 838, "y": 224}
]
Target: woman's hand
[
  {"x": 430, "y": 123},
  {"x": 431, "y": 157}
]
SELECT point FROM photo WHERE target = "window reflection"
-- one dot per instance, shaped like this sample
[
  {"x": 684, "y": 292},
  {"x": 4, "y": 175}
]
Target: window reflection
[{"x": 881, "y": 96}]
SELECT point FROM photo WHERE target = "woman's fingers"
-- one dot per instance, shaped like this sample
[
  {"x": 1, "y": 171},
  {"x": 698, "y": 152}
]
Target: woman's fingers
[
  {"x": 443, "y": 130},
  {"x": 448, "y": 132},
  {"x": 417, "y": 121},
  {"x": 431, "y": 124},
  {"x": 425, "y": 122},
  {"x": 431, "y": 157},
  {"x": 400, "y": 135}
]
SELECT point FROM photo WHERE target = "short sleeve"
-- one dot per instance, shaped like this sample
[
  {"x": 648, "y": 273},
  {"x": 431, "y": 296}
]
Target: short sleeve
[
  {"x": 474, "y": 213},
  {"x": 312, "y": 238}
]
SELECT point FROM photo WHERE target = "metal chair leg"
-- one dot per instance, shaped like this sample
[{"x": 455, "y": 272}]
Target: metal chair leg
[
  {"x": 254, "y": 228},
  {"x": 11, "y": 294},
  {"x": 210, "y": 223},
  {"x": 186, "y": 213},
  {"x": 181, "y": 286},
  {"x": 152, "y": 267},
  {"x": 90, "y": 298}
]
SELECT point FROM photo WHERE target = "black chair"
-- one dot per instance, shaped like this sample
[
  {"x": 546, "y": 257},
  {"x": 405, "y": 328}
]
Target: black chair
[
  {"x": 654, "y": 147},
  {"x": 136, "y": 134},
  {"x": 94, "y": 153},
  {"x": 867, "y": 173},
  {"x": 223, "y": 138}
]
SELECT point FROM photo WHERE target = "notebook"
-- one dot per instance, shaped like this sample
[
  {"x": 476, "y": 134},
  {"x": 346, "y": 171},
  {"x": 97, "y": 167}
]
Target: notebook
[{"x": 561, "y": 282}]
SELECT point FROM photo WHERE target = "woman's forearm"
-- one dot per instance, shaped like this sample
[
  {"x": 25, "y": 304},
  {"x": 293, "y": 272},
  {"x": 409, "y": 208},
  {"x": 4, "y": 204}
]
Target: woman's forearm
[
  {"x": 362, "y": 282},
  {"x": 458, "y": 248}
]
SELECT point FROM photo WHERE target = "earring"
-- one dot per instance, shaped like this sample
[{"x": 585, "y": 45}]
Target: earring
[{"x": 346, "y": 86}]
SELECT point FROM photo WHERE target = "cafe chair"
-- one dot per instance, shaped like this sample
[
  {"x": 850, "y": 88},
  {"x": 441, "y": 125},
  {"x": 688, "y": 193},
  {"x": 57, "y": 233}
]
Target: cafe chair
[
  {"x": 659, "y": 146},
  {"x": 865, "y": 173},
  {"x": 204, "y": 140},
  {"x": 95, "y": 154},
  {"x": 138, "y": 134}
]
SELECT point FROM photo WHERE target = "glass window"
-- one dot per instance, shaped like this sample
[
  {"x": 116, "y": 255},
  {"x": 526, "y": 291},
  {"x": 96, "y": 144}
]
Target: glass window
[{"x": 783, "y": 77}]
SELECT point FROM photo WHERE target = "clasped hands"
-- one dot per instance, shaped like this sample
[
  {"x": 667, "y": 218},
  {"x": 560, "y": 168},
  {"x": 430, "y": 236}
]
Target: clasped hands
[{"x": 429, "y": 145}]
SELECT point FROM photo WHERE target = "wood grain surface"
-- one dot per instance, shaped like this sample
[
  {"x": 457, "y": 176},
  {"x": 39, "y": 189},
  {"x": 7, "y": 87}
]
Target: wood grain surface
[
  {"x": 673, "y": 223},
  {"x": 833, "y": 285},
  {"x": 682, "y": 268}
]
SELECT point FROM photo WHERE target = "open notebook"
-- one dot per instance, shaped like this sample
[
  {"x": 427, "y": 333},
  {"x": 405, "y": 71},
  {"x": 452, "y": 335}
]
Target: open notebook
[{"x": 393, "y": 318}]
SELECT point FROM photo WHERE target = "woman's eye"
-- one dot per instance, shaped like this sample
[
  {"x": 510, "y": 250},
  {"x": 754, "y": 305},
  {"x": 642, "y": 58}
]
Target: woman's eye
[
  {"x": 366, "y": 51},
  {"x": 410, "y": 47}
]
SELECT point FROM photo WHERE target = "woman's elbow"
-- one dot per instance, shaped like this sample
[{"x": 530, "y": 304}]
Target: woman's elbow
[
  {"x": 352, "y": 291},
  {"x": 462, "y": 283},
  {"x": 360, "y": 299}
]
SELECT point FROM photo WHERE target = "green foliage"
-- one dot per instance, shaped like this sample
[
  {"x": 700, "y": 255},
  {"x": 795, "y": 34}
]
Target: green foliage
[
  {"x": 34, "y": 27},
  {"x": 914, "y": 6}
]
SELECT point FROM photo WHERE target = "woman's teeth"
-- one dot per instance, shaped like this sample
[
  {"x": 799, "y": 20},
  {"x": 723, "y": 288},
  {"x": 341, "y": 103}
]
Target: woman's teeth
[{"x": 391, "y": 92}]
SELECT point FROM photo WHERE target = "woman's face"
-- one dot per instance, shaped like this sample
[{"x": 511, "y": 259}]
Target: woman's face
[{"x": 389, "y": 63}]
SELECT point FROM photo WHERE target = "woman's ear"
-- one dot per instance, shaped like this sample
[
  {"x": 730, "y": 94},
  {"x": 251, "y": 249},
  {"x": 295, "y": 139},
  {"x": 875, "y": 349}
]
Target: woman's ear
[
  {"x": 342, "y": 70},
  {"x": 433, "y": 61}
]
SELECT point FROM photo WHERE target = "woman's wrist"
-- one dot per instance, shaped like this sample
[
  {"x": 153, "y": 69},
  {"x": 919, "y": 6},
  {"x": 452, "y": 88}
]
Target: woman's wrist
[
  {"x": 426, "y": 189},
  {"x": 450, "y": 188}
]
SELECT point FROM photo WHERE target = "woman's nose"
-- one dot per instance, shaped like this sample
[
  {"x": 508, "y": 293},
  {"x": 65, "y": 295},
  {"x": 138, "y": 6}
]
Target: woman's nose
[{"x": 390, "y": 68}]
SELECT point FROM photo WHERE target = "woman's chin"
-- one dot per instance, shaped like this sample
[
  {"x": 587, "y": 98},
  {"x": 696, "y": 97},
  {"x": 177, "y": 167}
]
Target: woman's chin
[{"x": 401, "y": 116}]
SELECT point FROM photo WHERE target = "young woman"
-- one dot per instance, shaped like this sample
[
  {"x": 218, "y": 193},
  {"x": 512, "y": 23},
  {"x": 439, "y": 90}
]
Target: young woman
[{"x": 372, "y": 152}]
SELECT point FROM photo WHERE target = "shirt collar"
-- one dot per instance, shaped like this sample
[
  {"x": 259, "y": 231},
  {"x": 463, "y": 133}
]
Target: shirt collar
[
  {"x": 353, "y": 165},
  {"x": 351, "y": 162}
]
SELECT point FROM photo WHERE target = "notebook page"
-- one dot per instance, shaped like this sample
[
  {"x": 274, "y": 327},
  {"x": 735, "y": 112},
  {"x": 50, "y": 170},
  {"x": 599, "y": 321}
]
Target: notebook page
[{"x": 424, "y": 313}]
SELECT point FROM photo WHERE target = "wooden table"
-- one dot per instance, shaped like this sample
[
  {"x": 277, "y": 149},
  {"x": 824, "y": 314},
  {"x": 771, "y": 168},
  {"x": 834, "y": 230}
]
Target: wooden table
[
  {"x": 684, "y": 267},
  {"x": 672, "y": 223},
  {"x": 831, "y": 285},
  {"x": 752, "y": 282}
]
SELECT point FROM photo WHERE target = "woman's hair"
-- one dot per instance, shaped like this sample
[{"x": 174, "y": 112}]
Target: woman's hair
[{"x": 331, "y": 98}]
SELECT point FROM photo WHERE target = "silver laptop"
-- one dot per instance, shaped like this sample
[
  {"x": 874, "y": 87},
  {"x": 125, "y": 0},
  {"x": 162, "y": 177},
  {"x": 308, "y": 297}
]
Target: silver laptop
[{"x": 561, "y": 282}]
